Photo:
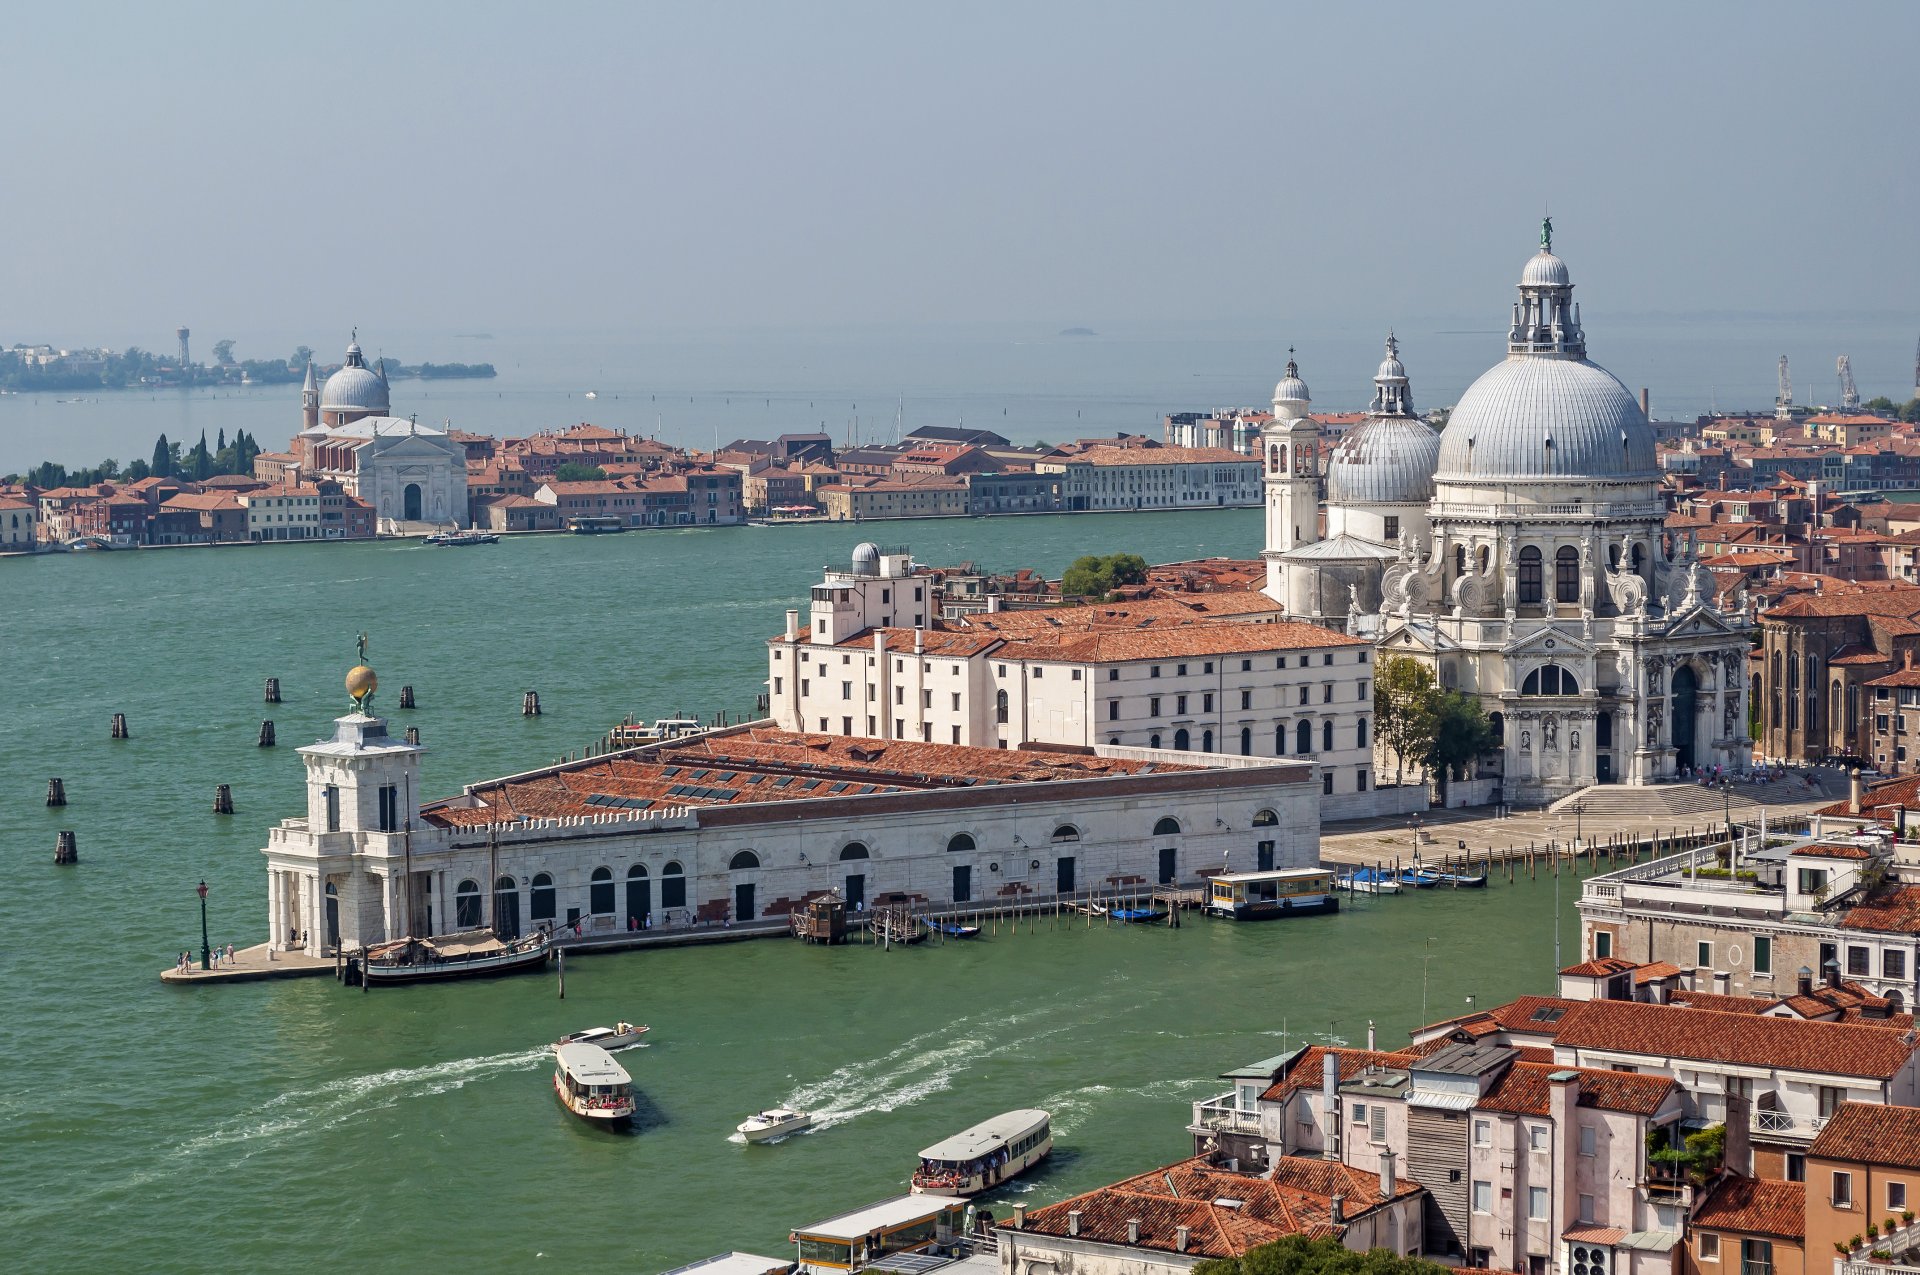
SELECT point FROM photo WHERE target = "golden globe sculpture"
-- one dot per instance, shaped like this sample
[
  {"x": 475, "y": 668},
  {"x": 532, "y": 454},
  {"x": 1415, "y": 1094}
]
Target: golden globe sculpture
[{"x": 361, "y": 684}]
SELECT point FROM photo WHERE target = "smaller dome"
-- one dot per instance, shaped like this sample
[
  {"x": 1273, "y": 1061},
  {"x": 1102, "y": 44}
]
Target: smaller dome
[
  {"x": 866, "y": 558},
  {"x": 1391, "y": 368},
  {"x": 1544, "y": 270},
  {"x": 1291, "y": 388},
  {"x": 1385, "y": 460}
]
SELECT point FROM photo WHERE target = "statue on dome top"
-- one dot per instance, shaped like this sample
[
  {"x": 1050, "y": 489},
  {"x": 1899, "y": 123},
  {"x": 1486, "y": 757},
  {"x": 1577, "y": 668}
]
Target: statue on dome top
[{"x": 1546, "y": 234}]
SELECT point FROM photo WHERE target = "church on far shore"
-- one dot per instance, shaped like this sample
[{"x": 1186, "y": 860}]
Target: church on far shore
[{"x": 414, "y": 475}]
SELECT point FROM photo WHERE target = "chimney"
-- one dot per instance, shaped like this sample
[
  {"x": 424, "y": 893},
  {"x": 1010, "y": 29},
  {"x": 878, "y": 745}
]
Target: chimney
[
  {"x": 1806, "y": 981},
  {"x": 1722, "y": 983},
  {"x": 1831, "y": 972},
  {"x": 1181, "y": 1234},
  {"x": 1646, "y": 407},
  {"x": 1737, "y": 1156},
  {"x": 1019, "y": 1216},
  {"x": 1133, "y": 1230},
  {"x": 919, "y": 641},
  {"x": 1339, "y": 1203},
  {"x": 1370, "y": 1037},
  {"x": 1073, "y": 1221},
  {"x": 1389, "y": 1180},
  {"x": 793, "y": 624},
  {"x": 1563, "y": 1105},
  {"x": 1330, "y": 1105},
  {"x": 1853, "y": 791}
]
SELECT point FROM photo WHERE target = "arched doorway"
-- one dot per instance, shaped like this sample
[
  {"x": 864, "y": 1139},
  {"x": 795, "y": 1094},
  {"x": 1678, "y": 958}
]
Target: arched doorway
[
  {"x": 333, "y": 915},
  {"x": 410, "y": 500},
  {"x": 673, "y": 886},
  {"x": 855, "y": 856},
  {"x": 743, "y": 901},
  {"x": 1686, "y": 704},
  {"x": 639, "y": 897},
  {"x": 542, "y": 901},
  {"x": 506, "y": 908},
  {"x": 466, "y": 905}
]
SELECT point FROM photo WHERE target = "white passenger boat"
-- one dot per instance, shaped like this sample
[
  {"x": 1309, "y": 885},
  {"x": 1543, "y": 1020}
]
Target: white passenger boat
[
  {"x": 774, "y": 1122},
  {"x": 591, "y": 1084},
  {"x": 986, "y": 1155},
  {"x": 619, "y": 1036},
  {"x": 474, "y": 954},
  {"x": 1260, "y": 896}
]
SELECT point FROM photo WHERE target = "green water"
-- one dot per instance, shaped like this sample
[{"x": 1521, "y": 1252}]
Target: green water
[{"x": 260, "y": 1126}]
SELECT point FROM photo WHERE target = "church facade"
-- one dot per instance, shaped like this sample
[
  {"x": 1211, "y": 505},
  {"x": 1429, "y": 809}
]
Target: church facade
[
  {"x": 410, "y": 473},
  {"x": 1522, "y": 554}
]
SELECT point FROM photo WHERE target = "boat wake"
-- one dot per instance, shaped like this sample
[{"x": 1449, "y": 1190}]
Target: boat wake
[{"x": 352, "y": 1097}]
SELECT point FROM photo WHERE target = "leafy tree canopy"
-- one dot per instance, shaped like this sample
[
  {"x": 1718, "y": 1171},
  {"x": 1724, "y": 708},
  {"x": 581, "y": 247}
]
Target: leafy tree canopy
[
  {"x": 575, "y": 472},
  {"x": 1297, "y": 1255},
  {"x": 1095, "y": 577}
]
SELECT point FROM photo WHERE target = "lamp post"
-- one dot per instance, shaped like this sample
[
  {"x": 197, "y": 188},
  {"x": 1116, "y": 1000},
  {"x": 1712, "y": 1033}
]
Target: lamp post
[{"x": 206, "y": 949}]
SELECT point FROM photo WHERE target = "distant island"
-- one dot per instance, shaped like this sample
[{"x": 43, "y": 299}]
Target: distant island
[
  {"x": 1078, "y": 332},
  {"x": 31, "y": 369}
]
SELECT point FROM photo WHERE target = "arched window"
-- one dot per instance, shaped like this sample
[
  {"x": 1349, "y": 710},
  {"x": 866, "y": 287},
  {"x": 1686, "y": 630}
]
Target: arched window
[
  {"x": 600, "y": 892},
  {"x": 1280, "y": 740},
  {"x": 1498, "y": 721},
  {"x": 1639, "y": 558},
  {"x": 960, "y": 843},
  {"x": 1303, "y": 737},
  {"x": 1182, "y": 740},
  {"x": 673, "y": 886},
  {"x": 1326, "y": 736},
  {"x": 506, "y": 907},
  {"x": 1246, "y": 741},
  {"x": 1486, "y": 556},
  {"x": 466, "y": 905},
  {"x": 1167, "y": 827},
  {"x": 1000, "y": 707},
  {"x": 1459, "y": 560},
  {"x": 1550, "y": 679},
  {"x": 1153, "y": 741},
  {"x": 540, "y": 902},
  {"x": 1360, "y": 734},
  {"x": 1206, "y": 741},
  {"x": 1613, "y": 557},
  {"x": 1066, "y": 832},
  {"x": 1529, "y": 581},
  {"x": 1266, "y": 819},
  {"x": 1566, "y": 574},
  {"x": 853, "y": 850},
  {"x": 745, "y": 859}
]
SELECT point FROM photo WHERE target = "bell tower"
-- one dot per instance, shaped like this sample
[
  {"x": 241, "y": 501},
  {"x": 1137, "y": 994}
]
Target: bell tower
[{"x": 1290, "y": 463}]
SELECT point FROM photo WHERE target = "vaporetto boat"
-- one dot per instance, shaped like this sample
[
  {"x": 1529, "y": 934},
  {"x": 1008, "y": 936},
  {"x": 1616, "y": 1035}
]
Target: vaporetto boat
[{"x": 980, "y": 1158}]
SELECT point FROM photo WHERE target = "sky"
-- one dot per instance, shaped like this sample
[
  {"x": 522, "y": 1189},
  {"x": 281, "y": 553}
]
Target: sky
[{"x": 571, "y": 168}]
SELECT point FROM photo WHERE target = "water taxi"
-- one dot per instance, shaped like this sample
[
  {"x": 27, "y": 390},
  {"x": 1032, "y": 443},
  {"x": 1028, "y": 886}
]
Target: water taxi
[
  {"x": 591, "y": 1084},
  {"x": 619, "y": 1036},
  {"x": 1258, "y": 896},
  {"x": 992, "y": 1152},
  {"x": 774, "y": 1122}
]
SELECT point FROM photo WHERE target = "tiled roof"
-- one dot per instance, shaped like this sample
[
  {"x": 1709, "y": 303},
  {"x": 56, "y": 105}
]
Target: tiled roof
[
  {"x": 1174, "y": 643},
  {"x": 1655, "y": 972},
  {"x": 1526, "y": 1087},
  {"x": 1295, "y": 1199},
  {"x": 1307, "y": 1070},
  {"x": 1525, "y": 1015},
  {"x": 1905, "y": 677},
  {"x": 1670, "y": 1031},
  {"x": 1832, "y": 850},
  {"x": 1754, "y": 1206},
  {"x": 1893, "y": 909},
  {"x": 1865, "y": 1133},
  {"x": 1887, "y": 795},
  {"x": 1720, "y": 1003},
  {"x": 1601, "y": 967},
  {"x": 1163, "y": 456}
]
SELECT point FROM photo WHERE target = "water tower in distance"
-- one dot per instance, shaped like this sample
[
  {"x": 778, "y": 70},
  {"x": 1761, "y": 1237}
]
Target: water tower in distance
[{"x": 185, "y": 362}]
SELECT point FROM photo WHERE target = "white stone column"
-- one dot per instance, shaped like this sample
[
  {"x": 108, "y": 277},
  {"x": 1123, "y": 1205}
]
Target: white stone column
[
  {"x": 316, "y": 914},
  {"x": 276, "y": 920},
  {"x": 389, "y": 909}
]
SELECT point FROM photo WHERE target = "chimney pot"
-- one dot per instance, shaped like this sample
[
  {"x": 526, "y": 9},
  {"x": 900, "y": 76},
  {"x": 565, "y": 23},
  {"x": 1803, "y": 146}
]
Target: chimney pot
[
  {"x": 1806, "y": 981},
  {"x": 1831, "y": 970},
  {"x": 1073, "y": 1221},
  {"x": 1180, "y": 1237},
  {"x": 1019, "y": 1216},
  {"x": 1389, "y": 1179},
  {"x": 1339, "y": 1209},
  {"x": 1133, "y": 1230}
]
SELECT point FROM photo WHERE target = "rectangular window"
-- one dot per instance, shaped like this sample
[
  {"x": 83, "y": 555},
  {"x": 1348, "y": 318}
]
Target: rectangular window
[
  {"x": 1327, "y": 658},
  {"x": 389, "y": 808},
  {"x": 1586, "y": 1139},
  {"x": 1281, "y": 662},
  {"x": 333, "y": 807},
  {"x": 1076, "y": 673},
  {"x": 1155, "y": 672},
  {"x": 1483, "y": 1133},
  {"x": 1703, "y": 955},
  {"x": 1207, "y": 667},
  {"x": 1831, "y": 1097},
  {"x": 1206, "y": 702},
  {"x": 1796, "y": 1166},
  {"x": 1303, "y": 694},
  {"x": 1537, "y": 1137},
  {"x": 1246, "y": 666},
  {"x": 956, "y": 734},
  {"x": 1602, "y": 943},
  {"x": 956, "y": 701},
  {"x": 1180, "y": 705},
  {"x": 1813, "y": 880},
  {"x": 846, "y": 690},
  {"x": 1379, "y": 1127},
  {"x": 1181, "y": 671},
  {"x": 1709, "y": 1247},
  {"x": 806, "y": 686},
  {"x": 1756, "y": 1257},
  {"x": 1762, "y": 954},
  {"x": 1153, "y": 706},
  {"x": 1113, "y": 710},
  {"x": 1392, "y": 527},
  {"x": 899, "y": 694},
  {"x": 1896, "y": 1197},
  {"x": 1482, "y": 1197},
  {"x": 1246, "y": 699},
  {"x": 1842, "y": 1190},
  {"x": 1536, "y": 1203},
  {"x": 1326, "y": 693},
  {"x": 1038, "y": 673},
  {"x": 1586, "y": 1208},
  {"x": 1858, "y": 963},
  {"x": 1326, "y": 783}
]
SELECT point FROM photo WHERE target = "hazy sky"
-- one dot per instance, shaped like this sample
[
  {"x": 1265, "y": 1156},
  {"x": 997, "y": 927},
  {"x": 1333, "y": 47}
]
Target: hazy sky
[{"x": 572, "y": 167}]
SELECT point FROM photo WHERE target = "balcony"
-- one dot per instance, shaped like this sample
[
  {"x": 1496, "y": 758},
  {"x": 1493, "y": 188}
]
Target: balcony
[
  {"x": 1785, "y": 1124},
  {"x": 1223, "y": 1115}
]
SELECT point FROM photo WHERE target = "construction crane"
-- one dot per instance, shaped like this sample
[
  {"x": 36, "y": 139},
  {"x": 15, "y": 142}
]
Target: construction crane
[
  {"x": 1849, "y": 393},
  {"x": 1783, "y": 401}
]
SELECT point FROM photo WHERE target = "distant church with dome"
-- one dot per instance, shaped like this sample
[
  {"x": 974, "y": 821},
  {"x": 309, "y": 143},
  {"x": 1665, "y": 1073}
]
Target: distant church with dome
[
  {"x": 1522, "y": 553},
  {"x": 412, "y": 474}
]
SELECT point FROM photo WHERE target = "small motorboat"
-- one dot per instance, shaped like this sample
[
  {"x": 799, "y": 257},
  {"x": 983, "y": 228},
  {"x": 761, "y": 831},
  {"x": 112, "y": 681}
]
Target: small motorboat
[
  {"x": 774, "y": 1122},
  {"x": 619, "y": 1036},
  {"x": 1369, "y": 881}
]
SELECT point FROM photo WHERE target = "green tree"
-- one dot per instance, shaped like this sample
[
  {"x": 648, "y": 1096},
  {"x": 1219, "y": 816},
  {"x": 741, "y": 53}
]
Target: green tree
[
  {"x": 1403, "y": 703},
  {"x": 223, "y": 352},
  {"x": 575, "y": 472},
  {"x": 1911, "y": 412},
  {"x": 1298, "y": 1255},
  {"x": 301, "y": 353},
  {"x": 1461, "y": 732},
  {"x": 1879, "y": 403},
  {"x": 1095, "y": 577},
  {"x": 200, "y": 460},
  {"x": 161, "y": 466}
]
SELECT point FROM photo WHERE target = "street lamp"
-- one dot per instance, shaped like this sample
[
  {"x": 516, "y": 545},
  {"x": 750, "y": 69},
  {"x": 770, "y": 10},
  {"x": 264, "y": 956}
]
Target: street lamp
[{"x": 206, "y": 950}]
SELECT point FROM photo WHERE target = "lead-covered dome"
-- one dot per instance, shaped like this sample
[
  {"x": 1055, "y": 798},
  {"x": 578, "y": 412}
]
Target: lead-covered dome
[
  {"x": 1537, "y": 417},
  {"x": 1544, "y": 270},
  {"x": 355, "y": 387},
  {"x": 1385, "y": 460},
  {"x": 1290, "y": 397}
]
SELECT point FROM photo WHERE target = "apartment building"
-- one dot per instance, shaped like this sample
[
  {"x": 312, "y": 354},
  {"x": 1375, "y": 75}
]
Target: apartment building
[{"x": 1155, "y": 478}]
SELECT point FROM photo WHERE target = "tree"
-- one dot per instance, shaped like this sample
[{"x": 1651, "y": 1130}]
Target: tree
[
  {"x": 575, "y": 472},
  {"x": 223, "y": 352},
  {"x": 1298, "y": 1255},
  {"x": 301, "y": 354},
  {"x": 1403, "y": 703},
  {"x": 1095, "y": 577},
  {"x": 1461, "y": 732},
  {"x": 161, "y": 466}
]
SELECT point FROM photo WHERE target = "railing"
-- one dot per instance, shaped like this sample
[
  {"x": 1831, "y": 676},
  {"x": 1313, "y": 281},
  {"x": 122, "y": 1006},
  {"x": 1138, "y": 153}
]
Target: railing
[
  {"x": 1875, "y": 1268},
  {"x": 1224, "y": 1113},
  {"x": 1769, "y": 1120}
]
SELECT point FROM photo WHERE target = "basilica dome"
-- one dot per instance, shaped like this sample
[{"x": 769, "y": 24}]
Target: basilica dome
[
  {"x": 1387, "y": 460},
  {"x": 1535, "y": 417},
  {"x": 355, "y": 387}
]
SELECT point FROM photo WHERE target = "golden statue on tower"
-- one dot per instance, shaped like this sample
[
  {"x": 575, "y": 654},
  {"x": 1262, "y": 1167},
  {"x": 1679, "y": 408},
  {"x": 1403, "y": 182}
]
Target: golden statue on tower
[{"x": 362, "y": 682}]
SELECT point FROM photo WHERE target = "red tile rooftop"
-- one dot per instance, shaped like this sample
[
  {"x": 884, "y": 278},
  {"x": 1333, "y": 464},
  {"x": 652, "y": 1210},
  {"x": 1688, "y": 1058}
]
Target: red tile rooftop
[
  {"x": 1679, "y": 1032},
  {"x": 765, "y": 764},
  {"x": 1863, "y": 1133}
]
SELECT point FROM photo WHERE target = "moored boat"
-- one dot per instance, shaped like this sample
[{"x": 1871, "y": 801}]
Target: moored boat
[
  {"x": 774, "y": 1122},
  {"x": 619, "y": 1036},
  {"x": 1368, "y": 881},
  {"x": 1138, "y": 916},
  {"x": 953, "y": 930},
  {"x": 1259, "y": 896},
  {"x": 590, "y": 1084},
  {"x": 983, "y": 1157},
  {"x": 476, "y": 954}
]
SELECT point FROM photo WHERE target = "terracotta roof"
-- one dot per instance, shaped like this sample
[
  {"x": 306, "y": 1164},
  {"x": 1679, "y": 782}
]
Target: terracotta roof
[
  {"x": 1670, "y": 1031},
  {"x": 1831, "y": 850},
  {"x": 1892, "y": 909},
  {"x": 1905, "y": 677},
  {"x": 1307, "y": 1069},
  {"x": 1754, "y": 1206},
  {"x": 1526, "y": 1087},
  {"x": 1295, "y": 1199},
  {"x": 1602, "y": 967},
  {"x": 1719, "y": 1002},
  {"x": 1886, "y": 795},
  {"x": 1526, "y": 1015},
  {"x": 1865, "y": 1133},
  {"x": 1654, "y": 972}
]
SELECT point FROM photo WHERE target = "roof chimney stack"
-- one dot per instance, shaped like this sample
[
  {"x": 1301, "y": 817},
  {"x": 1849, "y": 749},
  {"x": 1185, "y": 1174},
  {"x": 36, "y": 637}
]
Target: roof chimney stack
[
  {"x": 1073, "y": 1221},
  {"x": 1339, "y": 1203},
  {"x": 1806, "y": 981},
  {"x": 1181, "y": 1235},
  {"x": 1831, "y": 972},
  {"x": 1389, "y": 1180},
  {"x": 793, "y": 623},
  {"x": 1133, "y": 1230},
  {"x": 1019, "y": 1216}
]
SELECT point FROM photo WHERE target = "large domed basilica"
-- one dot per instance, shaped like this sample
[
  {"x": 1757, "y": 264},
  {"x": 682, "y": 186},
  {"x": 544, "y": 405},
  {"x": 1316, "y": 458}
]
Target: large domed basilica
[{"x": 1521, "y": 553}]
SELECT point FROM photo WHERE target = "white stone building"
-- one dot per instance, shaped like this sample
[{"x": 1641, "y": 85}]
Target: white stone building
[
  {"x": 1154, "y": 478},
  {"x": 1157, "y": 674},
  {"x": 1539, "y": 576},
  {"x": 739, "y": 825}
]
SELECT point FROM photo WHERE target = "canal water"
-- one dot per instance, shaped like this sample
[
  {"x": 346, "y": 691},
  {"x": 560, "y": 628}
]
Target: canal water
[{"x": 299, "y": 1124}]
